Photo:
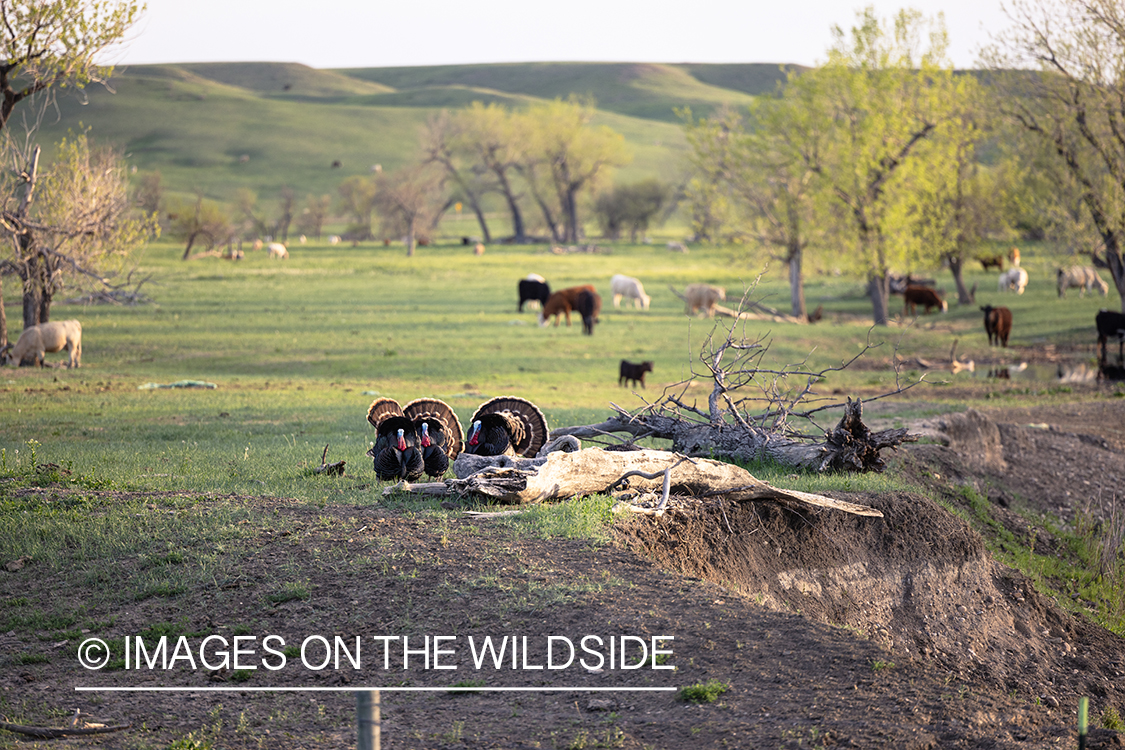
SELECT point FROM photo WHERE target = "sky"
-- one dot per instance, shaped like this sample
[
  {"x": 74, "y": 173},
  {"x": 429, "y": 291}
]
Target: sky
[{"x": 377, "y": 33}]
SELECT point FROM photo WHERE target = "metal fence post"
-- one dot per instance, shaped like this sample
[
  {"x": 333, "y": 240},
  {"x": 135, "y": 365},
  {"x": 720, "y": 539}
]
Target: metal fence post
[{"x": 367, "y": 720}]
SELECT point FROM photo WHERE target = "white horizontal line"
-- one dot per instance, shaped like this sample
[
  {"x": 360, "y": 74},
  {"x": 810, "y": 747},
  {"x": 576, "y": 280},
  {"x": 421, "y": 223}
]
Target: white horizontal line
[{"x": 229, "y": 689}]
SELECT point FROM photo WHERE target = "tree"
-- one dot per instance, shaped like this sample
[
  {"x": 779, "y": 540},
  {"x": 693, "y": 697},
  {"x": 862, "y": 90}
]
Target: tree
[
  {"x": 70, "y": 222},
  {"x": 631, "y": 207},
  {"x": 406, "y": 200},
  {"x": 357, "y": 197},
  {"x": 442, "y": 139},
  {"x": 499, "y": 144},
  {"x": 568, "y": 155},
  {"x": 202, "y": 220},
  {"x": 879, "y": 98},
  {"x": 951, "y": 201},
  {"x": 50, "y": 44},
  {"x": 1074, "y": 101},
  {"x": 313, "y": 215}
]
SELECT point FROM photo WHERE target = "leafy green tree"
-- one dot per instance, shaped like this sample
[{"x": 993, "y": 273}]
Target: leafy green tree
[
  {"x": 1060, "y": 64},
  {"x": 200, "y": 221},
  {"x": 631, "y": 207},
  {"x": 880, "y": 98},
  {"x": 51, "y": 44},
  {"x": 357, "y": 199},
  {"x": 568, "y": 156},
  {"x": 313, "y": 216}
]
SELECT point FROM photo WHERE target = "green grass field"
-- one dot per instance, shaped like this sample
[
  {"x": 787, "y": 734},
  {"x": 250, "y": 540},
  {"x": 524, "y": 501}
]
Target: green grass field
[{"x": 298, "y": 349}]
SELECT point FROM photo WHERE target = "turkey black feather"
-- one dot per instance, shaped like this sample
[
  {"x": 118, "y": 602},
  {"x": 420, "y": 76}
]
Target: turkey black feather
[{"x": 507, "y": 426}]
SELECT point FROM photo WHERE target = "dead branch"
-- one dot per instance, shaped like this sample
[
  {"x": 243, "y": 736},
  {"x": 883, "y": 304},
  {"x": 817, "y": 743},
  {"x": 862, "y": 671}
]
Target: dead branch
[
  {"x": 50, "y": 732},
  {"x": 335, "y": 469}
]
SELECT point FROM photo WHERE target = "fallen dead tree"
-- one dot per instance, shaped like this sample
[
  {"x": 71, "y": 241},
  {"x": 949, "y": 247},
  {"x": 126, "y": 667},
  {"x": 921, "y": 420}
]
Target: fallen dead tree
[
  {"x": 562, "y": 475},
  {"x": 850, "y": 446},
  {"x": 750, "y": 410}
]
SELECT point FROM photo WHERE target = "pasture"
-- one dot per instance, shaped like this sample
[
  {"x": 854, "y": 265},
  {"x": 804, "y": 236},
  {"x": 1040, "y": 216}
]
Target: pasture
[
  {"x": 298, "y": 348},
  {"x": 128, "y": 510}
]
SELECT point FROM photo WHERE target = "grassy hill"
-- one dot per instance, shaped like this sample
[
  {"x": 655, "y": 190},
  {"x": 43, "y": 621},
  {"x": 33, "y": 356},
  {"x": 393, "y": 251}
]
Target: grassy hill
[{"x": 218, "y": 127}]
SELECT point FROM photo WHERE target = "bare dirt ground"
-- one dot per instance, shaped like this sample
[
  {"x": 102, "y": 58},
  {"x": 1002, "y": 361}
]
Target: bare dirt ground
[{"x": 831, "y": 630}]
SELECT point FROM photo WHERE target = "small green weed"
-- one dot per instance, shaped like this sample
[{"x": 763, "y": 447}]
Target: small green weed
[
  {"x": 1111, "y": 719},
  {"x": 704, "y": 692}
]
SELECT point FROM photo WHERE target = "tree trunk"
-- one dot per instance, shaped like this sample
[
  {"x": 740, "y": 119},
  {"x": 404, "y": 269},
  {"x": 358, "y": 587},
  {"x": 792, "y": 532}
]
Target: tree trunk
[
  {"x": 31, "y": 289},
  {"x": 3, "y": 317},
  {"x": 850, "y": 446},
  {"x": 956, "y": 266},
  {"x": 796, "y": 284},
  {"x": 519, "y": 232},
  {"x": 878, "y": 290},
  {"x": 410, "y": 239},
  {"x": 475, "y": 205},
  {"x": 190, "y": 242},
  {"x": 571, "y": 209}
]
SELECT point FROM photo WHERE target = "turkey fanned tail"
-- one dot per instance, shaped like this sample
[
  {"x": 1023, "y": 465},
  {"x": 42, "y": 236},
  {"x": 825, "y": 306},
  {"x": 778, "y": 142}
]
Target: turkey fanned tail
[
  {"x": 507, "y": 425},
  {"x": 395, "y": 453}
]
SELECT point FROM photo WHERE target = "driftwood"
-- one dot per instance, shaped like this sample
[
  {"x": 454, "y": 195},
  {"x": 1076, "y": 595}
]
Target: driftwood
[
  {"x": 335, "y": 469},
  {"x": 51, "y": 732},
  {"x": 850, "y": 446},
  {"x": 563, "y": 475}
]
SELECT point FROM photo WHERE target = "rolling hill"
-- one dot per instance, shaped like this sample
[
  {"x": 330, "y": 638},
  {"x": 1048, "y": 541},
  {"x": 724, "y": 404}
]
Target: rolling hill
[{"x": 219, "y": 127}]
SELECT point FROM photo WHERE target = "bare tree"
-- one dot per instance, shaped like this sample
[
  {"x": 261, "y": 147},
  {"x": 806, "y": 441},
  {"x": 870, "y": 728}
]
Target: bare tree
[
  {"x": 407, "y": 200},
  {"x": 314, "y": 214},
  {"x": 441, "y": 143},
  {"x": 72, "y": 220},
  {"x": 1075, "y": 101}
]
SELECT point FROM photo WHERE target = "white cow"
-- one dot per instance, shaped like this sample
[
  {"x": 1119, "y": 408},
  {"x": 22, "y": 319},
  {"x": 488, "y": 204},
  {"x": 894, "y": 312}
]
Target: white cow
[
  {"x": 1014, "y": 279},
  {"x": 703, "y": 297},
  {"x": 1083, "y": 277},
  {"x": 627, "y": 286},
  {"x": 277, "y": 250},
  {"x": 36, "y": 341}
]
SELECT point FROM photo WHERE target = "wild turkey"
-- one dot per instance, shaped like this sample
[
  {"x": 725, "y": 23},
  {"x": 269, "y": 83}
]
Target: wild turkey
[
  {"x": 395, "y": 451},
  {"x": 438, "y": 432},
  {"x": 507, "y": 426}
]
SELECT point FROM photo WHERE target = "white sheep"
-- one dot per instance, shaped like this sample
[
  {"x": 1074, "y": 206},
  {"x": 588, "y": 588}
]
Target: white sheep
[
  {"x": 703, "y": 297},
  {"x": 1014, "y": 278},
  {"x": 35, "y": 341},
  {"x": 277, "y": 250},
  {"x": 627, "y": 286}
]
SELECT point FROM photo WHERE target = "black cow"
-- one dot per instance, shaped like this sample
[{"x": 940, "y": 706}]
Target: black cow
[
  {"x": 589, "y": 306},
  {"x": 533, "y": 291},
  {"x": 634, "y": 371},
  {"x": 1110, "y": 325}
]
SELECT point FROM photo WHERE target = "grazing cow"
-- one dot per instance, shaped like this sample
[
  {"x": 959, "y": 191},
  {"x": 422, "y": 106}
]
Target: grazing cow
[
  {"x": 277, "y": 250},
  {"x": 1083, "y": 277},
  {"x": 333, "y": 239},
  {"x": 588, "y": 305},
  {"x": 35, "y": 341},
  {"x": 633, "y": 371},
  {"x": 478, "y": 249},
  {"x": 992, "y": 261},
  {"x": 920, "y": 295},
  {"x": 677, "y": 247},
  {"x": 1110, "y": 325},
  {"x": 534, "y": 290},
  {"x": 627, "y": 286},
  {"x": 562, "y": 302},
  {"x": 1014, "y": 278},
  {"x": 703, "y": 297},
  {"x": 898, "y": 284},
  {"x": 997, "y": 324}
]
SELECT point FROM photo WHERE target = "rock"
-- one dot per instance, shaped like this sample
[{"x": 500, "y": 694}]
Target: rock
[{"x": 977, "y": 439}]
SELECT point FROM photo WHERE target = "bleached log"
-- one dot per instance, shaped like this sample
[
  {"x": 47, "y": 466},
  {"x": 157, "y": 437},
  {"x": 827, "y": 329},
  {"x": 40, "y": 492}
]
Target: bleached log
[{"x": 560, "y": 476}]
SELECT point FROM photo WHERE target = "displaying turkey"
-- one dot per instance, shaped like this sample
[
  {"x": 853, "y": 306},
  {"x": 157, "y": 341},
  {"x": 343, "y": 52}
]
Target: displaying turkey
[
  {"x": 396, "y": 451},
  {"x": 438, "y": 433},
  {"x": 507, "y": 426}
]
